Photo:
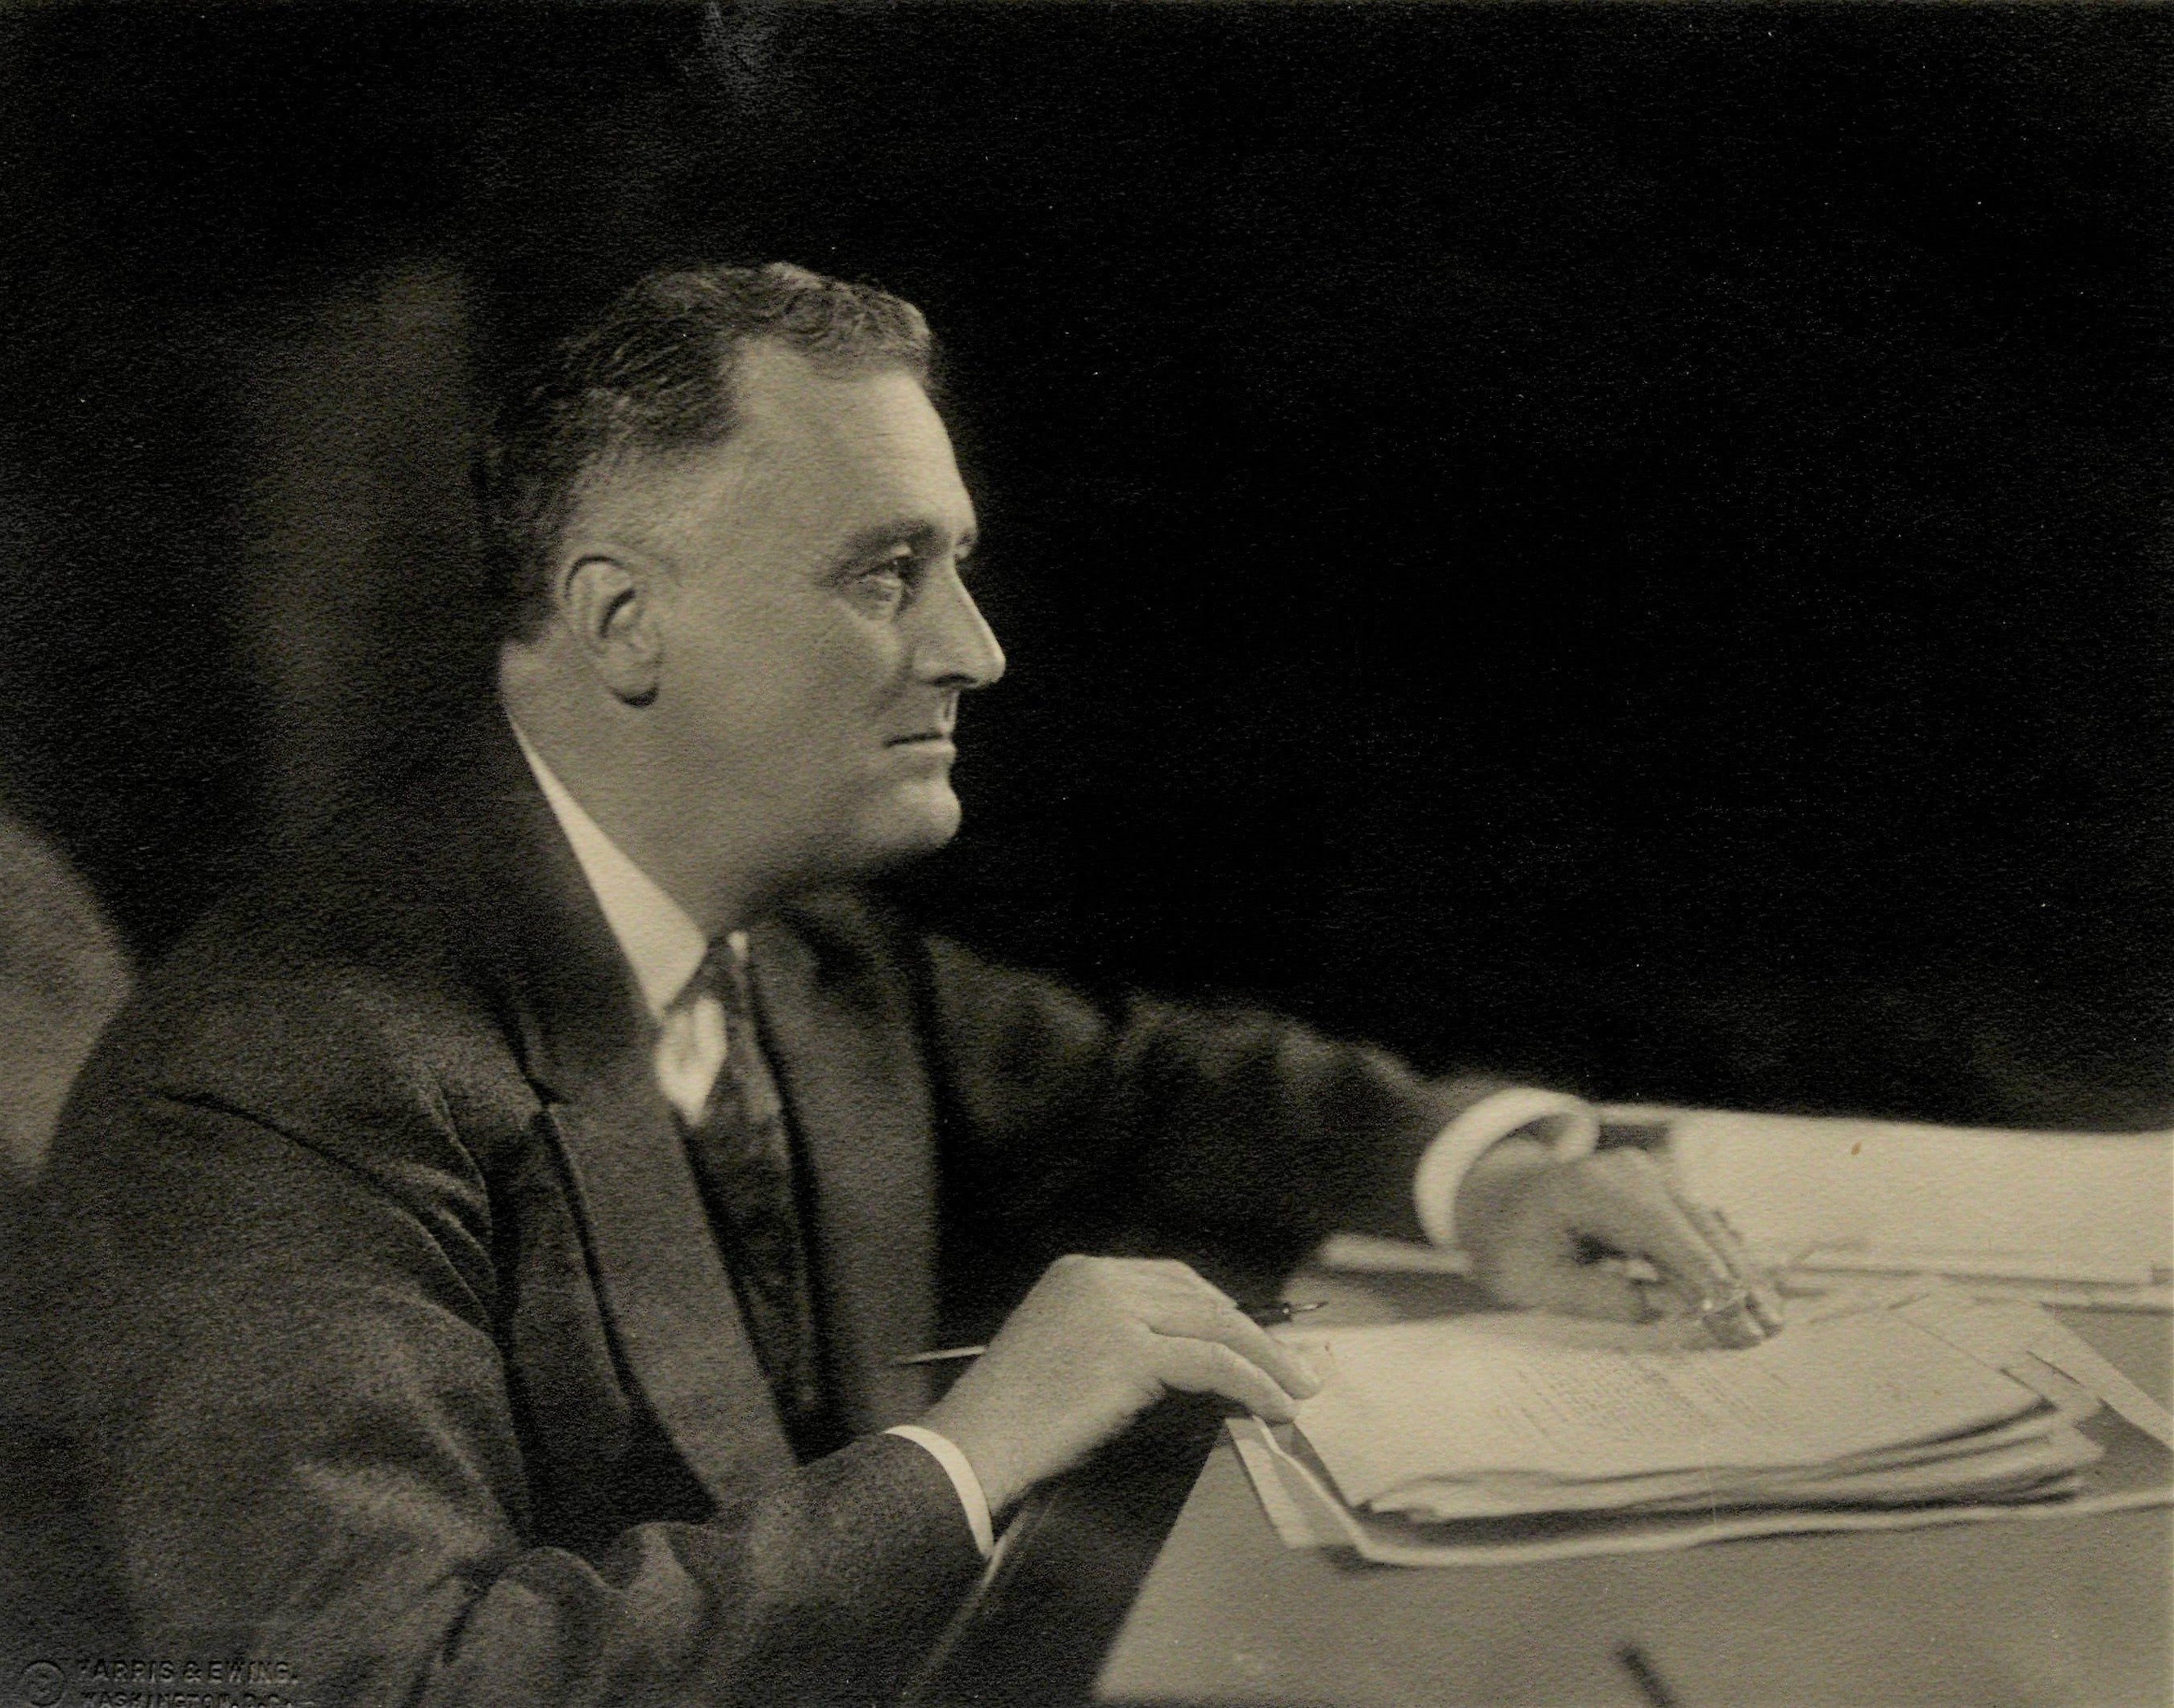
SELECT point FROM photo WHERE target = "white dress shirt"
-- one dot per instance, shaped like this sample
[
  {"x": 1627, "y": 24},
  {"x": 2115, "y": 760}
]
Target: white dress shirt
[{"x": 666, "y": 948}]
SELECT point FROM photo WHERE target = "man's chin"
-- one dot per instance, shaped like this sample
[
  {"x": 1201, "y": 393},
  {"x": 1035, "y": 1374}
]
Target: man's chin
[
  {"x": 902, "y": 826},
  {"x": 912, "y": 822}
]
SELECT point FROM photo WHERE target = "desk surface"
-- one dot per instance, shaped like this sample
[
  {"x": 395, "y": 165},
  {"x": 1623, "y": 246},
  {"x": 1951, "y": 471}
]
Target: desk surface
[{"x": 2040, "y": 1612}]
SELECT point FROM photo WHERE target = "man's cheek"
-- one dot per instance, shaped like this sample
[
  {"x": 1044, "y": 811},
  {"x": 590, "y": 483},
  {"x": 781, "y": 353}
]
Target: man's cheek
[{"x": 860, "y": 662}]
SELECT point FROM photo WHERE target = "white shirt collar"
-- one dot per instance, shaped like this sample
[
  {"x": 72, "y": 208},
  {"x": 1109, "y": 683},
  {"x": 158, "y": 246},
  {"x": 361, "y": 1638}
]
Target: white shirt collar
[{"x": 661, "y": 943}]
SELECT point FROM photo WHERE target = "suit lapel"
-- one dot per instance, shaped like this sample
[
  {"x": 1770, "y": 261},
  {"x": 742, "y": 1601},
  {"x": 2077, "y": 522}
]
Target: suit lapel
[
  {"x": 838, "y": 1028},
  {"x": 664, "y": 1286},
  {"x": 585, "y": 1044}
]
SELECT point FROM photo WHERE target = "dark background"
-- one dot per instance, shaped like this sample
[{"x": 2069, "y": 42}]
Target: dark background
[{"x": 1630, "y": 545}]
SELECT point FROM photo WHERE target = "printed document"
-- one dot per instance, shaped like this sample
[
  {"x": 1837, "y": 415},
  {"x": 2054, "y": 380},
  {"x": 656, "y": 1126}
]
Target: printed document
[{"x": 1492, "y": 1438}]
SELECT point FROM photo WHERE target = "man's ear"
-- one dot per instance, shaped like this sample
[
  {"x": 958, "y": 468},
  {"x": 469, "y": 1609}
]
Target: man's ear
[{"x": 607, "y": 597}]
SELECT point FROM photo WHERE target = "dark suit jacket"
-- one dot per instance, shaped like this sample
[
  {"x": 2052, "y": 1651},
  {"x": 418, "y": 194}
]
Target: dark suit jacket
[{"x": 404, "y": 1353}]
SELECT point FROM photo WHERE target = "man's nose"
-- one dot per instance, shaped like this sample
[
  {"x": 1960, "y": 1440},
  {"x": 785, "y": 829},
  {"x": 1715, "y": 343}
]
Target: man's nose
[{"x": 955, "y": 647}]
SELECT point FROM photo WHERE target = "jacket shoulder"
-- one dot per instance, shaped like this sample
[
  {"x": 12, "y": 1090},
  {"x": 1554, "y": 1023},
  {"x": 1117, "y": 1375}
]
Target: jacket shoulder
[{"x": 347, "y": 1015}]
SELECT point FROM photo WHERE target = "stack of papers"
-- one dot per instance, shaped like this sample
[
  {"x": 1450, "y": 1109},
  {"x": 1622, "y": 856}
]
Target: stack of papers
[
  {"x": 1498, "y": 1437},
  {"x": 1866, "y": 1408}
]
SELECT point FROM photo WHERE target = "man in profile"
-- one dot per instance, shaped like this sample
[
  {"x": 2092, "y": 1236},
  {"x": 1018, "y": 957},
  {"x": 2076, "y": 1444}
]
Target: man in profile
[{"x": 487, "y": 1244}]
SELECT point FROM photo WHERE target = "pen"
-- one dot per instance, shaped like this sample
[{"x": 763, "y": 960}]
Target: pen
[
  {"x": 1651, "y": 1684},
  {"x": 1267, "y": 1315},
  {"x": 1756, "y": 1300}
]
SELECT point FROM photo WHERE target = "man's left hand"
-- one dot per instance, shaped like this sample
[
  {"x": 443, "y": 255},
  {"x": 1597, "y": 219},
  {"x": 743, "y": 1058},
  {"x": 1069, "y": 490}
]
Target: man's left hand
[{"x": 1608, "y": 1235}]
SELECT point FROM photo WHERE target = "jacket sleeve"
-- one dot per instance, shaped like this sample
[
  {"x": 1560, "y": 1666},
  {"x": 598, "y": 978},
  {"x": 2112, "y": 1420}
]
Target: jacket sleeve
[
  {"x": 307, "y": 1447},
  {"x": 1230, "y": 1136}
]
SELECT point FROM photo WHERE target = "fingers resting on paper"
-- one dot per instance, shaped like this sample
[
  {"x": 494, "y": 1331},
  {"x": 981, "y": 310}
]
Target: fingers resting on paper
[
  {"x": 1609, "y": 1235},
  {"x": 1097, "y": 1342}
]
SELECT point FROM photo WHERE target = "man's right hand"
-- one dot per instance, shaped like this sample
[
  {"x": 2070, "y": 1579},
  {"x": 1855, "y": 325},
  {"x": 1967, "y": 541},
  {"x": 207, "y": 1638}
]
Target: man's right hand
[{"x": 1096, "y": 1342}]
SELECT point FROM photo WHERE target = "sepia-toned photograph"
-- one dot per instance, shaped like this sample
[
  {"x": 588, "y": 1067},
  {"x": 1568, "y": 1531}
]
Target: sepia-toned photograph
[{"x": 1233, "y": 854}]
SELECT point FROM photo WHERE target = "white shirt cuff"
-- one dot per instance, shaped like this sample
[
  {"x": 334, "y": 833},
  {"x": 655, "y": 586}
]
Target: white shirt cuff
[
  {"x": 960, "y": 1471},
  {"x": 1572, "y": 1131}
]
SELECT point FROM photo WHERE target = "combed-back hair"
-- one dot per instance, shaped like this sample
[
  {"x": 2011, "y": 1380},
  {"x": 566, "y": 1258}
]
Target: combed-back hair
[{"x": 656, "y": 375}]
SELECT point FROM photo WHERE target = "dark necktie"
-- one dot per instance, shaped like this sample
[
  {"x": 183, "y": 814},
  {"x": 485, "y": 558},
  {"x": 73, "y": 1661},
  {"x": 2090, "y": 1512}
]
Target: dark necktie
[{"x": 743, "y": 1161}]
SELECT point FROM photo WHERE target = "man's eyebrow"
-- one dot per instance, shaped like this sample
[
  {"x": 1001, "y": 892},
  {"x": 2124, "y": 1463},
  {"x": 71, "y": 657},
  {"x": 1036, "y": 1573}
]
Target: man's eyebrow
[{"x": 904, "y": 531}]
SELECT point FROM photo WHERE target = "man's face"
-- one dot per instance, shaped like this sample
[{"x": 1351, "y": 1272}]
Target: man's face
[{"x": 816, "y": 635}]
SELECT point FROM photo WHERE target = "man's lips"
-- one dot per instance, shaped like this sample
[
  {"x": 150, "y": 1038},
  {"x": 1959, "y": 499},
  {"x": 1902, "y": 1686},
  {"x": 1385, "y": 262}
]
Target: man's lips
[{"x": 932, "y": 737}]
